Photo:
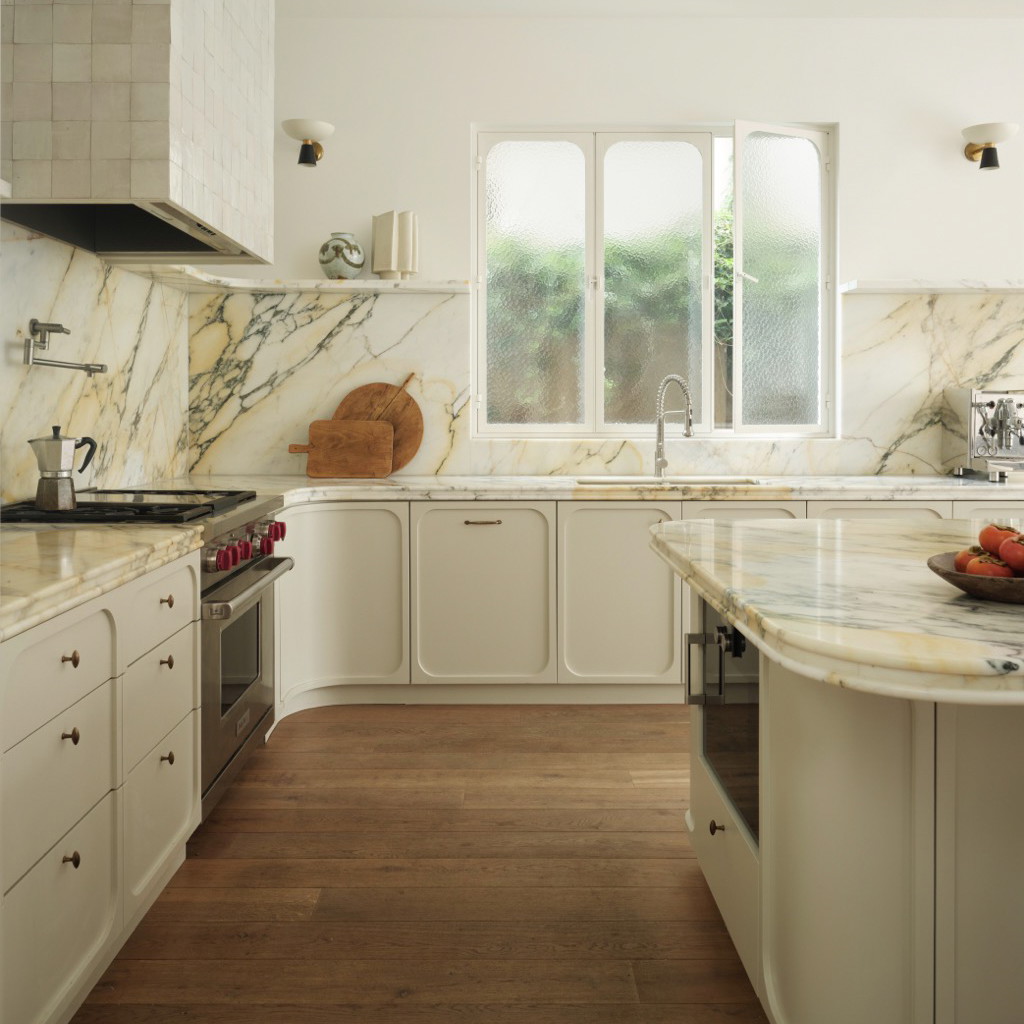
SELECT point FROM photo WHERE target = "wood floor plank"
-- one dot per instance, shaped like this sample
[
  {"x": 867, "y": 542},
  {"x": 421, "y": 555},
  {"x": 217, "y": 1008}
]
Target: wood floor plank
[
  {"x": 519, "y": 903},
  {"x": 431, "y": 940},
  {"x": 212, "y": 982},
  {"x": 452, "y": 873},
  {"x": 511, "y": 821},
  {"x": 407, "y": 845},
  {"x": 442, "y": 865}
]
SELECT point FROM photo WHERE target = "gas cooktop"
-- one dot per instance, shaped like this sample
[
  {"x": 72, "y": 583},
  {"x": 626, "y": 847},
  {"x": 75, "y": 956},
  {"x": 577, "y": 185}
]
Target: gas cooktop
[{"x": 131, "y": 506}]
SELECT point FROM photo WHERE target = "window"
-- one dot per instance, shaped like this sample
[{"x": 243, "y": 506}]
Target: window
[{"x": 607, "y": 260}]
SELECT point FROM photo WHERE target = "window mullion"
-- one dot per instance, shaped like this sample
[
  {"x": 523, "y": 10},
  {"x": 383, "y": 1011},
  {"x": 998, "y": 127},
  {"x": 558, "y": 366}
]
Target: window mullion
[{"x": 594, "y": 406}]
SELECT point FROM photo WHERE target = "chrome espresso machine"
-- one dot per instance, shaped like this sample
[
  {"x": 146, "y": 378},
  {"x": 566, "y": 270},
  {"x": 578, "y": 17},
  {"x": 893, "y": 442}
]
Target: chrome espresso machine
[{"x": 984, "y": 432}]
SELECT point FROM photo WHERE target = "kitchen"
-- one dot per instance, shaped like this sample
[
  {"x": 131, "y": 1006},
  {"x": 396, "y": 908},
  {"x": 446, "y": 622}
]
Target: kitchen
[{"x": 934, "y": 246}]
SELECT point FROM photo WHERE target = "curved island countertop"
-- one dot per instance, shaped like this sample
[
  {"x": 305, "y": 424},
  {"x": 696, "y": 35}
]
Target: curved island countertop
[{"x": 853, "y": 603}]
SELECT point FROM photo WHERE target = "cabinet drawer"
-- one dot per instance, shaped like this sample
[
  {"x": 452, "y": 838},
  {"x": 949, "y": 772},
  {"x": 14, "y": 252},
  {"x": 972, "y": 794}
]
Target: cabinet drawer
[
  {"x": 158, "y": 608},
  {"x": 54, "y": 671},
  {"x": 50, "y": 780},
  {"x": 58, "y": 918},
  {"x": 161, "y": 808},
  {"x": 159, "y": 690}
]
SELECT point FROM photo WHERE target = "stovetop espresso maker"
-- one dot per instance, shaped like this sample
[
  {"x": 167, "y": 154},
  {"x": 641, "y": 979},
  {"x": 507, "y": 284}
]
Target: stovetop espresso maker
[{"x": 56, "y": 458}]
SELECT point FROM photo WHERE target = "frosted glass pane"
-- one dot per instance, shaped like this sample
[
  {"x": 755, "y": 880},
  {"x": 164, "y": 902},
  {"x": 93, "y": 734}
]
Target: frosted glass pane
[
  {"x": 535, "y": 224},
  {"x": 653, "y": 222},
  {"x": 782, "y": 308}
]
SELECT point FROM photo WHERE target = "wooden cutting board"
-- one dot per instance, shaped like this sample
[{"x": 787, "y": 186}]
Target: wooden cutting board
[
  {"x": 348, "y": 448},
  {"x": 389, "y": 403}
]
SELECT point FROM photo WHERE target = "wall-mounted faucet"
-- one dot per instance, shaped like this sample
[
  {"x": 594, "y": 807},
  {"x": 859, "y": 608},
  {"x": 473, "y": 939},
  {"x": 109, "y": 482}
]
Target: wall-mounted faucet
[
  {"x": 660, "y": 462},
  {"x": 39, "y": 341}
]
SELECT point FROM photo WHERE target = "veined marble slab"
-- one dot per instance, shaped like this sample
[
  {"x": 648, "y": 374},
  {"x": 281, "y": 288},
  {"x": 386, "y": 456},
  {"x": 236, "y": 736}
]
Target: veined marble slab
[
  {"x": 854, "y": 604},
  {"x": 412, "y": 487},
  {"x": 46, "y": 570}
]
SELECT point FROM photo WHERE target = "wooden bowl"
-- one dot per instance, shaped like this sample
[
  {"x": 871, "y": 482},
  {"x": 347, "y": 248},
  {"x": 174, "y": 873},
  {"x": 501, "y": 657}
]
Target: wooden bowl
[{"x": 988, "y": 588}]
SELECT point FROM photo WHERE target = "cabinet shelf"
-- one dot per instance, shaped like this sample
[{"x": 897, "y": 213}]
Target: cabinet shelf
[{"x": 930, "y": 287}]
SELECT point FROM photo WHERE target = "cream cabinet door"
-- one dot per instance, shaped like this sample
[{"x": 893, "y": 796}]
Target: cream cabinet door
[
  {"x": 744, "y": 510},
  {"x": 483, "y": 592},
  {"x": 1009, "y": 513},
  {"x": 344, "y": 609},
  {"x": 866, "y": 509},
  {"x": 618, "y": 603}
]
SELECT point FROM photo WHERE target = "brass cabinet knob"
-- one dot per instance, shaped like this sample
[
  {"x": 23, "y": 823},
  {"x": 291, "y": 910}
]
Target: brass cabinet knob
[
  {"x": 168, "y": 661},
  {"x": 168, "y": 600},
  {"x": 74, "y": 657},
  {"x": 715, "y": 827},
  {"x": 169, "y": 757},
  {"x": 74, "y": 736},
  {"x": 74, "y": 860}
]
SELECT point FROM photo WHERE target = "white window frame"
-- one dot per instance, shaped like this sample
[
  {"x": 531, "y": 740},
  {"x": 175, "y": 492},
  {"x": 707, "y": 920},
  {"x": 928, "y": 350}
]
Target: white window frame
[{"x": 594, "y": 142}]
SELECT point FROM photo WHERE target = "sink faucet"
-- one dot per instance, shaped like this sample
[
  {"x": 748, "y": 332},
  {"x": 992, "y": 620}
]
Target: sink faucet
[{"x": 660, "y": 462}]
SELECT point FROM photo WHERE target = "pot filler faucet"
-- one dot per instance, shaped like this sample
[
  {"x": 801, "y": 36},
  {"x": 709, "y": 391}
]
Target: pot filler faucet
[{"x": 660, "y": 462}]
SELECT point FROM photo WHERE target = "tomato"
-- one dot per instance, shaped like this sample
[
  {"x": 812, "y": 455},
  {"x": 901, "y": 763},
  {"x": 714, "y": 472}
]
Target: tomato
[
  {"x": 1011, "y": 551},
  {"x": 961, "y": 560},
  {"x": 993, "y": 535},
  {"x": 988, "y": 565}
]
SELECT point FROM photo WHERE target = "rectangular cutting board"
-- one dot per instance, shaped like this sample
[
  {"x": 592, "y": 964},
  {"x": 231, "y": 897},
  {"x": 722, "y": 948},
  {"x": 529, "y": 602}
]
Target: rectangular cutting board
[{"x": 348, "y": 448}]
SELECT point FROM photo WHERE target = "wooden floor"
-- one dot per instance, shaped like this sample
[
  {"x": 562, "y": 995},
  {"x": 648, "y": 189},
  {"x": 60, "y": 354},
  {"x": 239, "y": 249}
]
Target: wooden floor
[{"x": 457, "y": 865}]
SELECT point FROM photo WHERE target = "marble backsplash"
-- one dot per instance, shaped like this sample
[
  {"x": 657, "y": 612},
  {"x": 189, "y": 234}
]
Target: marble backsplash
[
  {"x": 264, "y": 365},
  {"x": 137, "y": 411}
]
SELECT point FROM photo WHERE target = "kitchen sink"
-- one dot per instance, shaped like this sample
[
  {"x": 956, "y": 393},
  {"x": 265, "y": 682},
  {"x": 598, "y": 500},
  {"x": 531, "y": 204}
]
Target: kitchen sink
[{"x": 662, "y": 481}]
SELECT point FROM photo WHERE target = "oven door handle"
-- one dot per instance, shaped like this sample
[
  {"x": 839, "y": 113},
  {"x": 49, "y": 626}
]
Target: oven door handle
[{"x": 224, "y": 610}]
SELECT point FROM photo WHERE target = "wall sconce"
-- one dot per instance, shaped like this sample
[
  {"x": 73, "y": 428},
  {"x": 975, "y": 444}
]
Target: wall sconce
[
  {"x": 982, "y": 140},
  {"x": 308, "y": 133}
]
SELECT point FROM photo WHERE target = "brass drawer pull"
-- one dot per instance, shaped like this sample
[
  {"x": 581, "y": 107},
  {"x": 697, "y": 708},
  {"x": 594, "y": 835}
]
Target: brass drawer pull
[
  {"x": 169, "y": 758},
  {"x": 482, "y": 522},
  {"x": 168, "y": 661},
  {"x": 74, "y": 657},
  {"x": 74, "y": 860},
  {"x": 74, "y": 736},
  {"x": 168, "y": 600}
]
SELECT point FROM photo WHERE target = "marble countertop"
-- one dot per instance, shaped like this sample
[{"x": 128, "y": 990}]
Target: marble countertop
[
  {"x": 852, "y": 603},
  {"x": 46, "y": 570},
  {"x": 302, "y": 489}
]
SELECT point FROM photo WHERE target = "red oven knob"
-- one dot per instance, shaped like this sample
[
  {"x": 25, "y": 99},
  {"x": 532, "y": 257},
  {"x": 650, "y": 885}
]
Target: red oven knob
[
  {"x": 282, "y": 529},
  {"x": 245, "y": 549},
  {"x": 233, "y": 553},
  {"x": 267, "y": 546},
  {"x": 223, "y": 559}
]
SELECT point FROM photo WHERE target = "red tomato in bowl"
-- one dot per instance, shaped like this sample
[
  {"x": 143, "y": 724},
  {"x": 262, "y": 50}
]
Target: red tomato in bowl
[
  {"x": 993, "y": 535},
  {"x": 988, "y": 565},
  {"x": 963, "y": 557},
  {"x": 1011, "y": 551}
]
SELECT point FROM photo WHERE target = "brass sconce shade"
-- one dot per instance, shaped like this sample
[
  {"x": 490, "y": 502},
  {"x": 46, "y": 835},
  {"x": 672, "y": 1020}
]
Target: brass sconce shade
[
  {"x": 982, "y": 140},
  {"x": 309, "y": 133}
]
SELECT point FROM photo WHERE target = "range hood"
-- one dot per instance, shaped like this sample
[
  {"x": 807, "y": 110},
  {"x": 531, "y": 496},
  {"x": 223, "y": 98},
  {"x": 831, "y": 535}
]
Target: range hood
[
  {"x": 153, "y": 140},
  {"x": 129, "y": 232}
]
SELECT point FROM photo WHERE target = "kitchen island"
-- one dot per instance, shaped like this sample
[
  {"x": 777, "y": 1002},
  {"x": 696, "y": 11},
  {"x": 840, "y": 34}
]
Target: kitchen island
[{"x": 879, "y": 875}]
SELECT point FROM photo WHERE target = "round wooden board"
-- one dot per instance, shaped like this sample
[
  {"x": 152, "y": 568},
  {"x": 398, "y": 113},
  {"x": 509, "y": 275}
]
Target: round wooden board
[{"x": 400, "y": 410}]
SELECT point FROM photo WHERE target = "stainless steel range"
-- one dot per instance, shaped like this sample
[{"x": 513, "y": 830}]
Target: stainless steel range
[{"x": 239, "y": 567}]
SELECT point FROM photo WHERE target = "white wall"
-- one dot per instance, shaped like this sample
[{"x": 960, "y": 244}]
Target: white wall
[{"x": 403, "y": 93}]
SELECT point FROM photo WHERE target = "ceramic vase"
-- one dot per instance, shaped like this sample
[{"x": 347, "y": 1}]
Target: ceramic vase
[{"x": 341, "y": 256}]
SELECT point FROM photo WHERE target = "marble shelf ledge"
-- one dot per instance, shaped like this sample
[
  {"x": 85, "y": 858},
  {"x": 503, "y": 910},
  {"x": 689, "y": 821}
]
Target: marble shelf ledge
[
  {"x": 925, "y": 287},
  {"x": 191, "y": 279}
]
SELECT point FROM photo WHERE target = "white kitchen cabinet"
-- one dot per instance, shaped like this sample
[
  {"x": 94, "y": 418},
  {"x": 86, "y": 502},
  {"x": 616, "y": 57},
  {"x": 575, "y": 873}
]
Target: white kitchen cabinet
[
  {"x": 483, "y": 592},
  {"x": 82, "y": 693},
  {"x": 744, "y": 509},
  {"x": 161, "y": 810},
  {"x": 864, "y": 509},
  {"x": 1009, "y": 513},
  {"x": 979, "y": 837},
  {"x": 344, "y": 608},
  {"x": 618, "y": 603}
]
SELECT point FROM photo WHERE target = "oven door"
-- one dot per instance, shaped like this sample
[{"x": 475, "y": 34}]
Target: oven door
[{"x": 237, "y": 671}]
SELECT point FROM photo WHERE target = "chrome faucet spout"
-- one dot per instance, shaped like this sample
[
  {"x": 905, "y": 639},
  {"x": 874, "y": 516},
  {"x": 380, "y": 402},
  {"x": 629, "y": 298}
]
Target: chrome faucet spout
[{"x": 660, "y": 462}]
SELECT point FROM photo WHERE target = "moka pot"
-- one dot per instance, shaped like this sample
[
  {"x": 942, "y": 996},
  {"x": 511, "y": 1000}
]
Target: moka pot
[{"x": 56, "y": 458}]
